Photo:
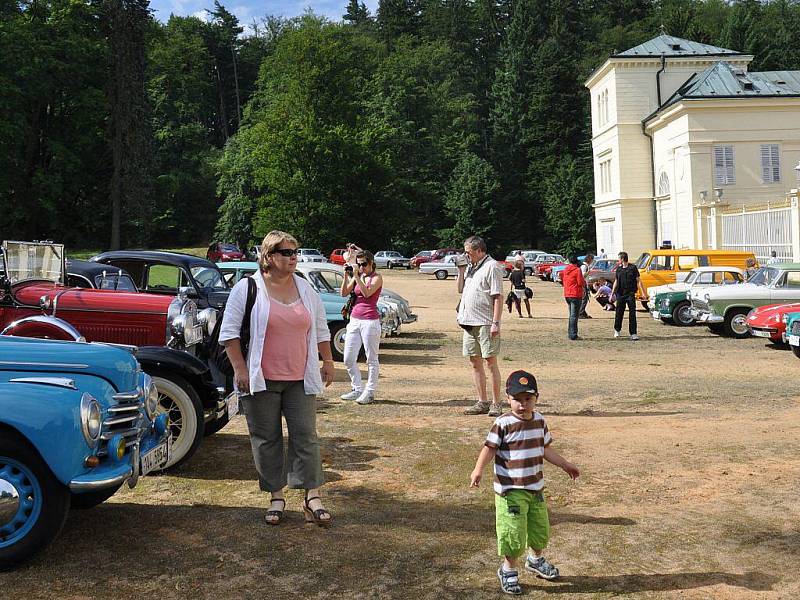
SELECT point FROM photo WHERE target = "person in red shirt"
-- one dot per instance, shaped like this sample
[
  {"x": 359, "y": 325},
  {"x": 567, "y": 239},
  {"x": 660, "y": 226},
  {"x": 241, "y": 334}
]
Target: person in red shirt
[{"x": 574, "y": 286}]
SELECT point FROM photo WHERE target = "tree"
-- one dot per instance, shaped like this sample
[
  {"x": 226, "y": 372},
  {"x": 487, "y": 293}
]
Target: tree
[
  {"x": 357, "y": 13},
  {"x": 471, "y": 202},
  {"x": 567, "y": 202}
]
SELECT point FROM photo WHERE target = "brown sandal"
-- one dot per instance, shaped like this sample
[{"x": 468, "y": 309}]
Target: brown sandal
[
  {"x": 275, "y": 513},
  {"x": 315, "y": 516}
]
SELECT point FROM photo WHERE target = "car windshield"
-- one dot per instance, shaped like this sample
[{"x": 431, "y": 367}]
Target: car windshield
[
  {"x": 113, "y": 281},
  {"x": 425, "y": 253},
  {"x": 603, "y": 265},
  {"x": 764, "y": 276},
  {"x": 24, "y": 261},
  {"x": 691, "y": 277},
  {"x": 310, "y": 251},
  {"x": 318, "y": 279},
  {"x": 642, "y": 261},
  {"x": 208, "y": 278},
  {"x": 228, "y": 248}
]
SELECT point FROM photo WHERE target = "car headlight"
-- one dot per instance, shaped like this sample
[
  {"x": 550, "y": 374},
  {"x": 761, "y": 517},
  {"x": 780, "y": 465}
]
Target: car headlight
[
  {"x": 208, "y": 319},
  {"x": 384, "y": 310},
  {"x": 91, "y": 419},
  {"x": 178, "y": 326},
  {"x": 706, "y": 297},
  {"x": 150, "y": 397},
  {"x": 666, "y": 302}
]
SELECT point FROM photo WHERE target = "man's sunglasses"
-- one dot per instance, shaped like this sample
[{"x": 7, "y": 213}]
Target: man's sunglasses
[{"x": 287, "y": 252}]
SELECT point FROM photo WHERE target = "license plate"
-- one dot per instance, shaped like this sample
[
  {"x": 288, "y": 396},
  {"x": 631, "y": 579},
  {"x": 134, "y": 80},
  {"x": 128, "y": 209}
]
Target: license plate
[
  {"x": 656, "y": 315},
  {"x": 156, "y": 457},
  {"x": 704, "y": 317},
  {"x": 233, "y": 405},
  {"x": 794, "y": 340},
  {"x": 193, "y": 335},
  {"x": 759, "y": 333}
]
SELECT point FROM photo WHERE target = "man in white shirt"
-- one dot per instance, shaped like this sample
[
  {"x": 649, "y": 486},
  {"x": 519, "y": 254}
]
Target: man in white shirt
[
  {"x": 773, "y": 258},
  {"x": 480, "y": 283}
]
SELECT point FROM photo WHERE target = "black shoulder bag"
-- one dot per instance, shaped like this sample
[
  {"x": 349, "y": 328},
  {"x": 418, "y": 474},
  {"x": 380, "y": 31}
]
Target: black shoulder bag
[{"x": 217, "y": 352}]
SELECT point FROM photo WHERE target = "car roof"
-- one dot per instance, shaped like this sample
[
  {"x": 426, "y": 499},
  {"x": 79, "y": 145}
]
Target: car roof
[
  {"x": 718, "y": 268},
  {"x": 786, "y": 266},
  {"x": 173, "y": 258},
  {"x": 89, "y": 268},
  {"x": 696, "y": 251}
]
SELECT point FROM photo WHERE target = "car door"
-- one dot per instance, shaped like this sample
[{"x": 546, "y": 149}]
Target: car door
[{"x": 786, "y": 288}]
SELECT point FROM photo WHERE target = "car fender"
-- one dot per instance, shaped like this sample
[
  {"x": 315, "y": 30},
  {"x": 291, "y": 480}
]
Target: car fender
[
  {"x": 48, "y": 417},
  {"x": 191, "y": 368},
  {"x": 731, "y": 307}
]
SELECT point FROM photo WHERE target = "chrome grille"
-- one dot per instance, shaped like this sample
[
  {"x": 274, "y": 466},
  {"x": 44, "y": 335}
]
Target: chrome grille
[
  {"x": 124, "y": 418},
  {"x": 796, "y": 328}
]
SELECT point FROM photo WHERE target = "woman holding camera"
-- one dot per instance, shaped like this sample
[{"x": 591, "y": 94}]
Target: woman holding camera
[
  {"x": 364, "y": 327},
  {"x": 280, "y": 375}
]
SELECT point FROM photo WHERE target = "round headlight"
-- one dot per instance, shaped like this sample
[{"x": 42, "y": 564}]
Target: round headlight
[
  {"x": 383, "y": 310},
  {"x": 706, "y": 297},
  {"x": 178, "y": 326},
  {"x": 666, "y": 302},
  {"x": 91, "y": 419},
  {"x": 208, "y": 319},
  {"x": 150, "y": 397}
]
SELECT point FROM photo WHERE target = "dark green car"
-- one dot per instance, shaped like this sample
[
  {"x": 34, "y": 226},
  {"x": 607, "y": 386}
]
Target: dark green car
[{"x": 670, "y": 303}]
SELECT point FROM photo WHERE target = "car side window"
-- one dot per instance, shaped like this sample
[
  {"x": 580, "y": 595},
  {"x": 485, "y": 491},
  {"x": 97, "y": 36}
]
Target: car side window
[
  {"x": 792, "y": 280},
  {"x": 164, "y": 278},
  {"x": 702, "y": 261},
  {"x": 687, "y": 263},
  {"x": 732, "y": 277},
  {"x": 708, "y": 278},
  {"x": 78, "y": 281},
  {"x": 661, "y": 263}
]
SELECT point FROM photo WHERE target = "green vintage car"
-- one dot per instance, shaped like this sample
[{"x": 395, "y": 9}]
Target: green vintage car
[
  {"x": 793, "y": 331},
  {"x": 725, "y": 308},
  {"x": 670, "y": 303}
]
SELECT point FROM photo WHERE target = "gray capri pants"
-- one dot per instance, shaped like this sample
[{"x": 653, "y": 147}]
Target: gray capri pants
[{"x": 299, "y": 465}]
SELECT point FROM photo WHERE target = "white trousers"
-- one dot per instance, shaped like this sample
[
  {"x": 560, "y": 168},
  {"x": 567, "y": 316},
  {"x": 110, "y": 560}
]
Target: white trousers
[{"x": 368, "y": 333}]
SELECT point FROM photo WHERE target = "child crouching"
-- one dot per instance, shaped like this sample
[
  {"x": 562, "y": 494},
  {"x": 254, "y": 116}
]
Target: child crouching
[{"x": 518, "y": 443}]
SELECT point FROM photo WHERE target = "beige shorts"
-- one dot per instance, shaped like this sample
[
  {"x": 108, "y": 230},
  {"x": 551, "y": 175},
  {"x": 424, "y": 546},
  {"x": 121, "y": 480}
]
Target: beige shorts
[{"x": 479, "y": 342}]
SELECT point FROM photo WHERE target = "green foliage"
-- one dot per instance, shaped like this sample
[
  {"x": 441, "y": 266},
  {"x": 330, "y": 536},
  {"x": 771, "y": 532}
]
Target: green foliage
[
  {"x": 567, "y": 202},
  {"x": 470, "y": 202}
]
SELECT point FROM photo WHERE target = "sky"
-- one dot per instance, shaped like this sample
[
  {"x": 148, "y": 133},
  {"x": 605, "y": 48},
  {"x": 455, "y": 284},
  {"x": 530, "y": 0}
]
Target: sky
[{"x": 248, "y": 10}]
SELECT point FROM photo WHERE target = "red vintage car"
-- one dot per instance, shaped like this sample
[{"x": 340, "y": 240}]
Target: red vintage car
[
  {"x": 420, "y": 257},
  {"x": 544, "y": 263},
  {"x": 166, "y": 329},
  {"x": 767, "y": 321},
  {"x": 337, "y": 256},
  {"x": 221, "y": 252}
]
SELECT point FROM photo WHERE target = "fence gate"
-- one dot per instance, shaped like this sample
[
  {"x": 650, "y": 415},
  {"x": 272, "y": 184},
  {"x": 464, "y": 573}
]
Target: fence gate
[{"x": 759, "y": 229}]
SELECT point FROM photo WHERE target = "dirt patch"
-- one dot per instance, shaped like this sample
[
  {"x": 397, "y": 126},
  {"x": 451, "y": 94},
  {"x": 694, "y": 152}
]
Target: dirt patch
[{"x": 687, "y": 442}]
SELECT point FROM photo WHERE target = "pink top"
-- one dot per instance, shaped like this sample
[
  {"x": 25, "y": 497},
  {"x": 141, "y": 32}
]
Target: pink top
[
  {"x": 286, "y": 341},
  {"x": 366, "y": 308}
]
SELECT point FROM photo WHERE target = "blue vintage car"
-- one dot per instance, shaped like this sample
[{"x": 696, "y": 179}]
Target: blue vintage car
[{"x": 77, "y": 421}]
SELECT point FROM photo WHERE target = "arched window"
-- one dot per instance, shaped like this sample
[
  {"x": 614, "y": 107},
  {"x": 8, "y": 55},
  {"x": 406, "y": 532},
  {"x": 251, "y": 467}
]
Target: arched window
[{"x": 663, "y": 184}]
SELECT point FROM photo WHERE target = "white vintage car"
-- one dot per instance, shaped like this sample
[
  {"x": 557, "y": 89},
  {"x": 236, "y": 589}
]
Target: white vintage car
[
  {"x": 697, "y": 278},
  {"x": 441, "y": 269}
]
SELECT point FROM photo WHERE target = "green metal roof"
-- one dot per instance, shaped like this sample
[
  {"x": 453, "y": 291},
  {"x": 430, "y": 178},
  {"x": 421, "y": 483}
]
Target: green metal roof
[{"x": 674, "y": 46}]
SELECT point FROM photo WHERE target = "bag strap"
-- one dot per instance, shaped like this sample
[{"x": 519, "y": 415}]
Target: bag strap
[{"x": 252, "y": 290}]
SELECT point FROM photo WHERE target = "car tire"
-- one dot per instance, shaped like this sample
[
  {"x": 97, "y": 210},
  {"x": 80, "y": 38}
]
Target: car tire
[
  {"x": 180, "y": 401},
  {"x": 796, "y": 350},
  {"x": 528, "y": 271},
  {"x": 390, "y": 265},
  {"x": 338, "y": 331},
  {"x": 408, "y": 267},
  {"x": 680, "y": 314},
  {"x": 441, "y": 275},
  {"x": 39, "y": 520},
  {"x": 735, "y": 324},
  {"x": 91, "y": 499}
]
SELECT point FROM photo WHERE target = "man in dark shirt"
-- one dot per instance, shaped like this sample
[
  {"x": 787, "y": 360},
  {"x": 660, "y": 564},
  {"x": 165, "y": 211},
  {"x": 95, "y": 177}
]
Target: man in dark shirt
[{"x": 626, "y": 284}]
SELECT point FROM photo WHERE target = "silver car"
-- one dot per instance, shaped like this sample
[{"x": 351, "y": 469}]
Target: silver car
[
  {"x": 391, "y": 259},
  {"x": 311, "y": 255},
  {"x": 441, "y": 269}
]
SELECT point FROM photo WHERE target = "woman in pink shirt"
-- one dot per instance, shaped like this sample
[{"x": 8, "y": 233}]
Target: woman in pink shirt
[
  {"x": 364, "y": 327},
  {"x": 280, "y": 375}
]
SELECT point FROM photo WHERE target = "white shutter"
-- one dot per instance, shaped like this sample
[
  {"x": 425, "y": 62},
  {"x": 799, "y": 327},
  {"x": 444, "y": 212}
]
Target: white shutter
[
  {"x": 776, "y": 162},
  {"x": 730, "y": 175},
  {"x": 719, "y": 165},
  {"x": 770, "y": 163}
]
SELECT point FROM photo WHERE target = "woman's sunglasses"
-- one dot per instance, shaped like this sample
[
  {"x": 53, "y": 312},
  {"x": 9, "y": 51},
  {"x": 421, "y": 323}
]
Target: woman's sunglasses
[
  {"x": 363, "y": 264},
  {"x": 287, "y": 252}
]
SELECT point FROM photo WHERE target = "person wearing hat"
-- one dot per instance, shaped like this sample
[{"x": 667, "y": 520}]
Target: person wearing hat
[{"x": 518, "y": 443}]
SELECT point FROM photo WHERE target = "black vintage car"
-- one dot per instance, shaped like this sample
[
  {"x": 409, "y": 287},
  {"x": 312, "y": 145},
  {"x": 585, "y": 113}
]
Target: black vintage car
[
  {"x": 158, "y": 272},
  {"x": 98, "y": 276}
]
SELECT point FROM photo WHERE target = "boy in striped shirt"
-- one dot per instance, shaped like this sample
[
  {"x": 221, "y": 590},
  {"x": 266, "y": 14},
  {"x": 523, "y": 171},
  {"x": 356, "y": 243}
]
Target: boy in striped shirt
[{"x": 518, "y": 443}]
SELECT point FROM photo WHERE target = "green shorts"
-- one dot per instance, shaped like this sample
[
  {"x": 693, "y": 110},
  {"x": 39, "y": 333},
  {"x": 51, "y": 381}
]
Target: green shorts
[
  {"x": 522, "y": 521},
  {"x": 479, "y": 342}
]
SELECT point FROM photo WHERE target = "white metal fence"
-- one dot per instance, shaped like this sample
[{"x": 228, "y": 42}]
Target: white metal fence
[{"x": 759, "y": 230}]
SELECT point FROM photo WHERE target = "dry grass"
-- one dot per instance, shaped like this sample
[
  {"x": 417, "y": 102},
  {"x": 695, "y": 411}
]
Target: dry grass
[{"x": 687, "y": 441}]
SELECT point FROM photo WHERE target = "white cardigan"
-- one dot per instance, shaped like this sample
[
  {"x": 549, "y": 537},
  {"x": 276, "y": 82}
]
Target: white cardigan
[{"x": 232, "y": 324}]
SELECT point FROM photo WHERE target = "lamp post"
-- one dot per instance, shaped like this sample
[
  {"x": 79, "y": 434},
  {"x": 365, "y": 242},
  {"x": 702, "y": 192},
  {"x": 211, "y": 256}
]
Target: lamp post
[{"x": 718, "y": 194}]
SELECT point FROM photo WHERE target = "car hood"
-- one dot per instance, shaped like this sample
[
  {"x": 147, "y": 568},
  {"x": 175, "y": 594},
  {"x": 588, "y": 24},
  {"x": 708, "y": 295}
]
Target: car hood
[
  {"x": 29, "y": 293},
  {"x": 765, "y": 313},
  {"x": 116, "y": 365},
  {"x": 732, "y": 292},
  {"x": 665, "y": 289}
]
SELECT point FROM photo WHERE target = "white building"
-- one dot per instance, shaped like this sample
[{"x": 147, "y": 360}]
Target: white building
[{"x": 692, "y": 149}]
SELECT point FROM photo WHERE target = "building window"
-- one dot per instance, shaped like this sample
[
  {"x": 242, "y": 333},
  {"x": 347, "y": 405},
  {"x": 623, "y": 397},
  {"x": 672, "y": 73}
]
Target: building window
[
  {"x": 605, "y": 176},
  {"x": 602, "y": 108},
  {"x": 770, "y": 163},
  {"x": 724, "y": 173},
  {"x": 663, "y": 185}
]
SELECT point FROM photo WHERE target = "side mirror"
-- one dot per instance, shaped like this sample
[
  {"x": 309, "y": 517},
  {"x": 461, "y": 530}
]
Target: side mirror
[{"x": 45, "y": 303}]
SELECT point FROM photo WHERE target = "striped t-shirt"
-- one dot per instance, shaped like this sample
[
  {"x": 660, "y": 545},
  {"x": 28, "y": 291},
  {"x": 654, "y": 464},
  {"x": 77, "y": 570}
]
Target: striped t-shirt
[{"x": 520, "y": 448}]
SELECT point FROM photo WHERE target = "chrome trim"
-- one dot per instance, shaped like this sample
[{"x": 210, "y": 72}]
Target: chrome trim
[
  {"x": 122, "y": 409},
  {"x": 50, "y": 320},
  {"x": 87, "y": 400},
  {"x": 127, "y": 396},
  {"x": 107, "y": 435},
  {"x": 119, "y": 420},
  {"x": 54, "y": 381},
  {"x": 99, "y": 484},
  {"x": 41, "y": 364}
]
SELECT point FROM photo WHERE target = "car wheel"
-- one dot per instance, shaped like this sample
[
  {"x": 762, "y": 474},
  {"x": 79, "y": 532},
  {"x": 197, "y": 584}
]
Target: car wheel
[
  {"x": 735, "y": 324},
  {"x": 681, "y": 315},
  {"x": 440, "y": 275},
  {"x": 390, "y": 265},
  {"x": 528, "y": 271},
  {"x": 338, "y": 332},
  {"x": 33, "y": 503},
  {"x": 796, "y": 350},
  {"x": 408, "y": 267},
  {"x": 178, "y": 399},
  {"x": 91, "y": 499}
]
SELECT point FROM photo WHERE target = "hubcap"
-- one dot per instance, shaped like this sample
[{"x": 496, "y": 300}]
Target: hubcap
[
  {"x": 684, "y": 316},
  {"x": 338, "y": 340},
  {"x": 20, "y": 501},
  {"x": 739, "y": 324},
  {"x": 168, "y": 406}
]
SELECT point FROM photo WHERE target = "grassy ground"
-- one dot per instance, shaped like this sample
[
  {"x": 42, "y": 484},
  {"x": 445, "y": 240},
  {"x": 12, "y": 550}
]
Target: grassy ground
[{"x": 687, "y": 443}]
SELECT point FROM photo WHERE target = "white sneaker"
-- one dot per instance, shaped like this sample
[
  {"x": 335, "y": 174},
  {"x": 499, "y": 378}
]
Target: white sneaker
[
  {"x": 616, "y": 333},
  {"x": 365, "y": 398},
  {"x": 634, "y": 337},
  {"x": 351, "y": 395}
]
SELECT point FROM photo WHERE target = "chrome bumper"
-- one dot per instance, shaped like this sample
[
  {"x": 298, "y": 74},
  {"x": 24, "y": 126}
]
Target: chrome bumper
[
  {"x": 702, "y": 316},
  {"x": 83, "y": 484}
]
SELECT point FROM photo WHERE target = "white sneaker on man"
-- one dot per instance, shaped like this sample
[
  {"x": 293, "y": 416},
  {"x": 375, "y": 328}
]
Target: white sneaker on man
[
  {"x": 634, "y": 337},
  {"x": 616, "y": 333},
  {"x": 351, "y": 395},
  {"x": 365, "y": 398}
]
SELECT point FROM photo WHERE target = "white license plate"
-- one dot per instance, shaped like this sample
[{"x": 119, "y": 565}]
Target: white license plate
[
  {"x": 156, "y": 457},
  {"x": 759, "y": 333},
  {"x": 193, "y": 335},
  {"x": 233, "y": 405},
  {"x": 656, "y": 315},
  {"x": 794, "y": 340}
]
